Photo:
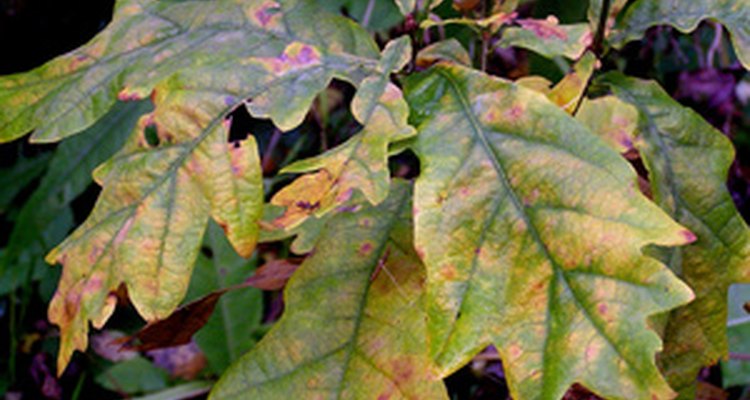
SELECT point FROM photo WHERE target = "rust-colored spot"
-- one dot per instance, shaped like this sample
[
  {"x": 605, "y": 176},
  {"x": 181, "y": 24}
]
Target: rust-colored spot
[
  {"x": 365, "y": 248},
  {"x": 515, "y": 351},
  {"x": 514, "y": 113},
  {"x": 591, "y": 352},
  {"x": 266, "y": 13},
  {"x": 295, "y": 56},
  {"x": 625, "y": 141},
  {"x": 384, "y": 396},
  {"x": 689, "y": 236},
  {"x": 402, "y": 370},
  {"x": 126, "y": 95},
  {"x": 544, "y": 28},
  {"x": 449, "y": 272}
]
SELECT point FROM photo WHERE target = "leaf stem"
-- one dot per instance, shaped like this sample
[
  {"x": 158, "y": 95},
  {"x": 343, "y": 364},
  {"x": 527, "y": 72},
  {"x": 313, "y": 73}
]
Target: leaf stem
[
  {"x": 601, "y": 28},
  {"x": 368, "y": 13}
]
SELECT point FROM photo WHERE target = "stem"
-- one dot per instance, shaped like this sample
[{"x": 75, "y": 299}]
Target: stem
[
  {"x": 714, "y": 45},
  {"x": 13, "y": 338},
  {"x": 267, "y": 157},
  {"x": 601, "y": 28},
  {"x": 368, "y": 13}
]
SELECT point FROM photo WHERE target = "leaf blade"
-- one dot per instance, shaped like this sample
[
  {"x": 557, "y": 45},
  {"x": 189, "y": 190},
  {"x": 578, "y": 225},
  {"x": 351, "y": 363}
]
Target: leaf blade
[
  {"x": 358, "y": 341},
  {"x": 673, "y": 140},
  {"x": 499, "y": 241}
]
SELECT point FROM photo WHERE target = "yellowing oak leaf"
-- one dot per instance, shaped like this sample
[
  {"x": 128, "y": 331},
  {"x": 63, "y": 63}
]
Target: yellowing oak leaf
[
  {"x": 147, "y": 225},
  {"x": 198, "y": 61},
  {"x": 532, "y": 231},
  {"x": 688, "y": 161},
  {"x": 360, "y": 163},
  {"x": 612, "y": 119},
  {"x": 354, "y": 323},
  {"x": 569, "y": 91}
]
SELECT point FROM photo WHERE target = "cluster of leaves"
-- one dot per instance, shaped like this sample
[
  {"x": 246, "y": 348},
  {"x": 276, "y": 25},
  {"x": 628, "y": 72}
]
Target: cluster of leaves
[{"x": 525, "y": 228}]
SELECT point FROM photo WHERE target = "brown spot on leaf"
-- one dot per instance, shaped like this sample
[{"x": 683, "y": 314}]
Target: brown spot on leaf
[
  {"x": 515, "y": 351},
  {"x": 402, "y": 370},
  {"x": 365, "y": 248},
  {"x": 126, "y": 95},
  {"x": 514, "y": 113},
  {"x": 265, "y": 14},
  {"x": 295, "y": 56},
  {"x": 449, "y": 272}
]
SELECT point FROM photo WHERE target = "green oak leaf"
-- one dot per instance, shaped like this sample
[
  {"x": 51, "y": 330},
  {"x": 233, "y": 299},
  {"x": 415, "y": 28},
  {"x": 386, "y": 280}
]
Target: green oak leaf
[
  {"x": 354, "y": 325},
  {"x": 688, "y": 161},
  {"x": 532, "y": 231},
  {"x": 548, "y": 38},
  {"x": 685, "y": 15}
]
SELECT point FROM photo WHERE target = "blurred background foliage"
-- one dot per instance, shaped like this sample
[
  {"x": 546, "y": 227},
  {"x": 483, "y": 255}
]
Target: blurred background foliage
[{"x": 46, "y": 190}]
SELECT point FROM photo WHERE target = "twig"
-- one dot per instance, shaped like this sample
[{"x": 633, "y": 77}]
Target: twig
[
  {"x": 598, "y": 45},
  {"x": 267, "y": 156}
]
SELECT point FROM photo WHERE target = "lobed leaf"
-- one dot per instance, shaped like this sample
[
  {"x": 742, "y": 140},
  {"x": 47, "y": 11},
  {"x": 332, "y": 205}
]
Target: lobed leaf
[
  {"x": 353, "y": 327},
  {"x": 685, "y": 15},
  {"x": 688, "y": 161},
  {"x": 531, "y": 230},
  {"x": 288, "y": 56},
  {"x": 198, "y": 60},
  {"x": 362, "y": 161},
  {"x": 146, "y": 227}
]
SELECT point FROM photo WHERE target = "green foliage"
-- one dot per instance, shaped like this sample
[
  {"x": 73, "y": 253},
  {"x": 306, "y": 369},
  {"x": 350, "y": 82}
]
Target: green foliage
[
  {"x": 524, "y": 228},
  {"x": 685, "y": 15}
]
